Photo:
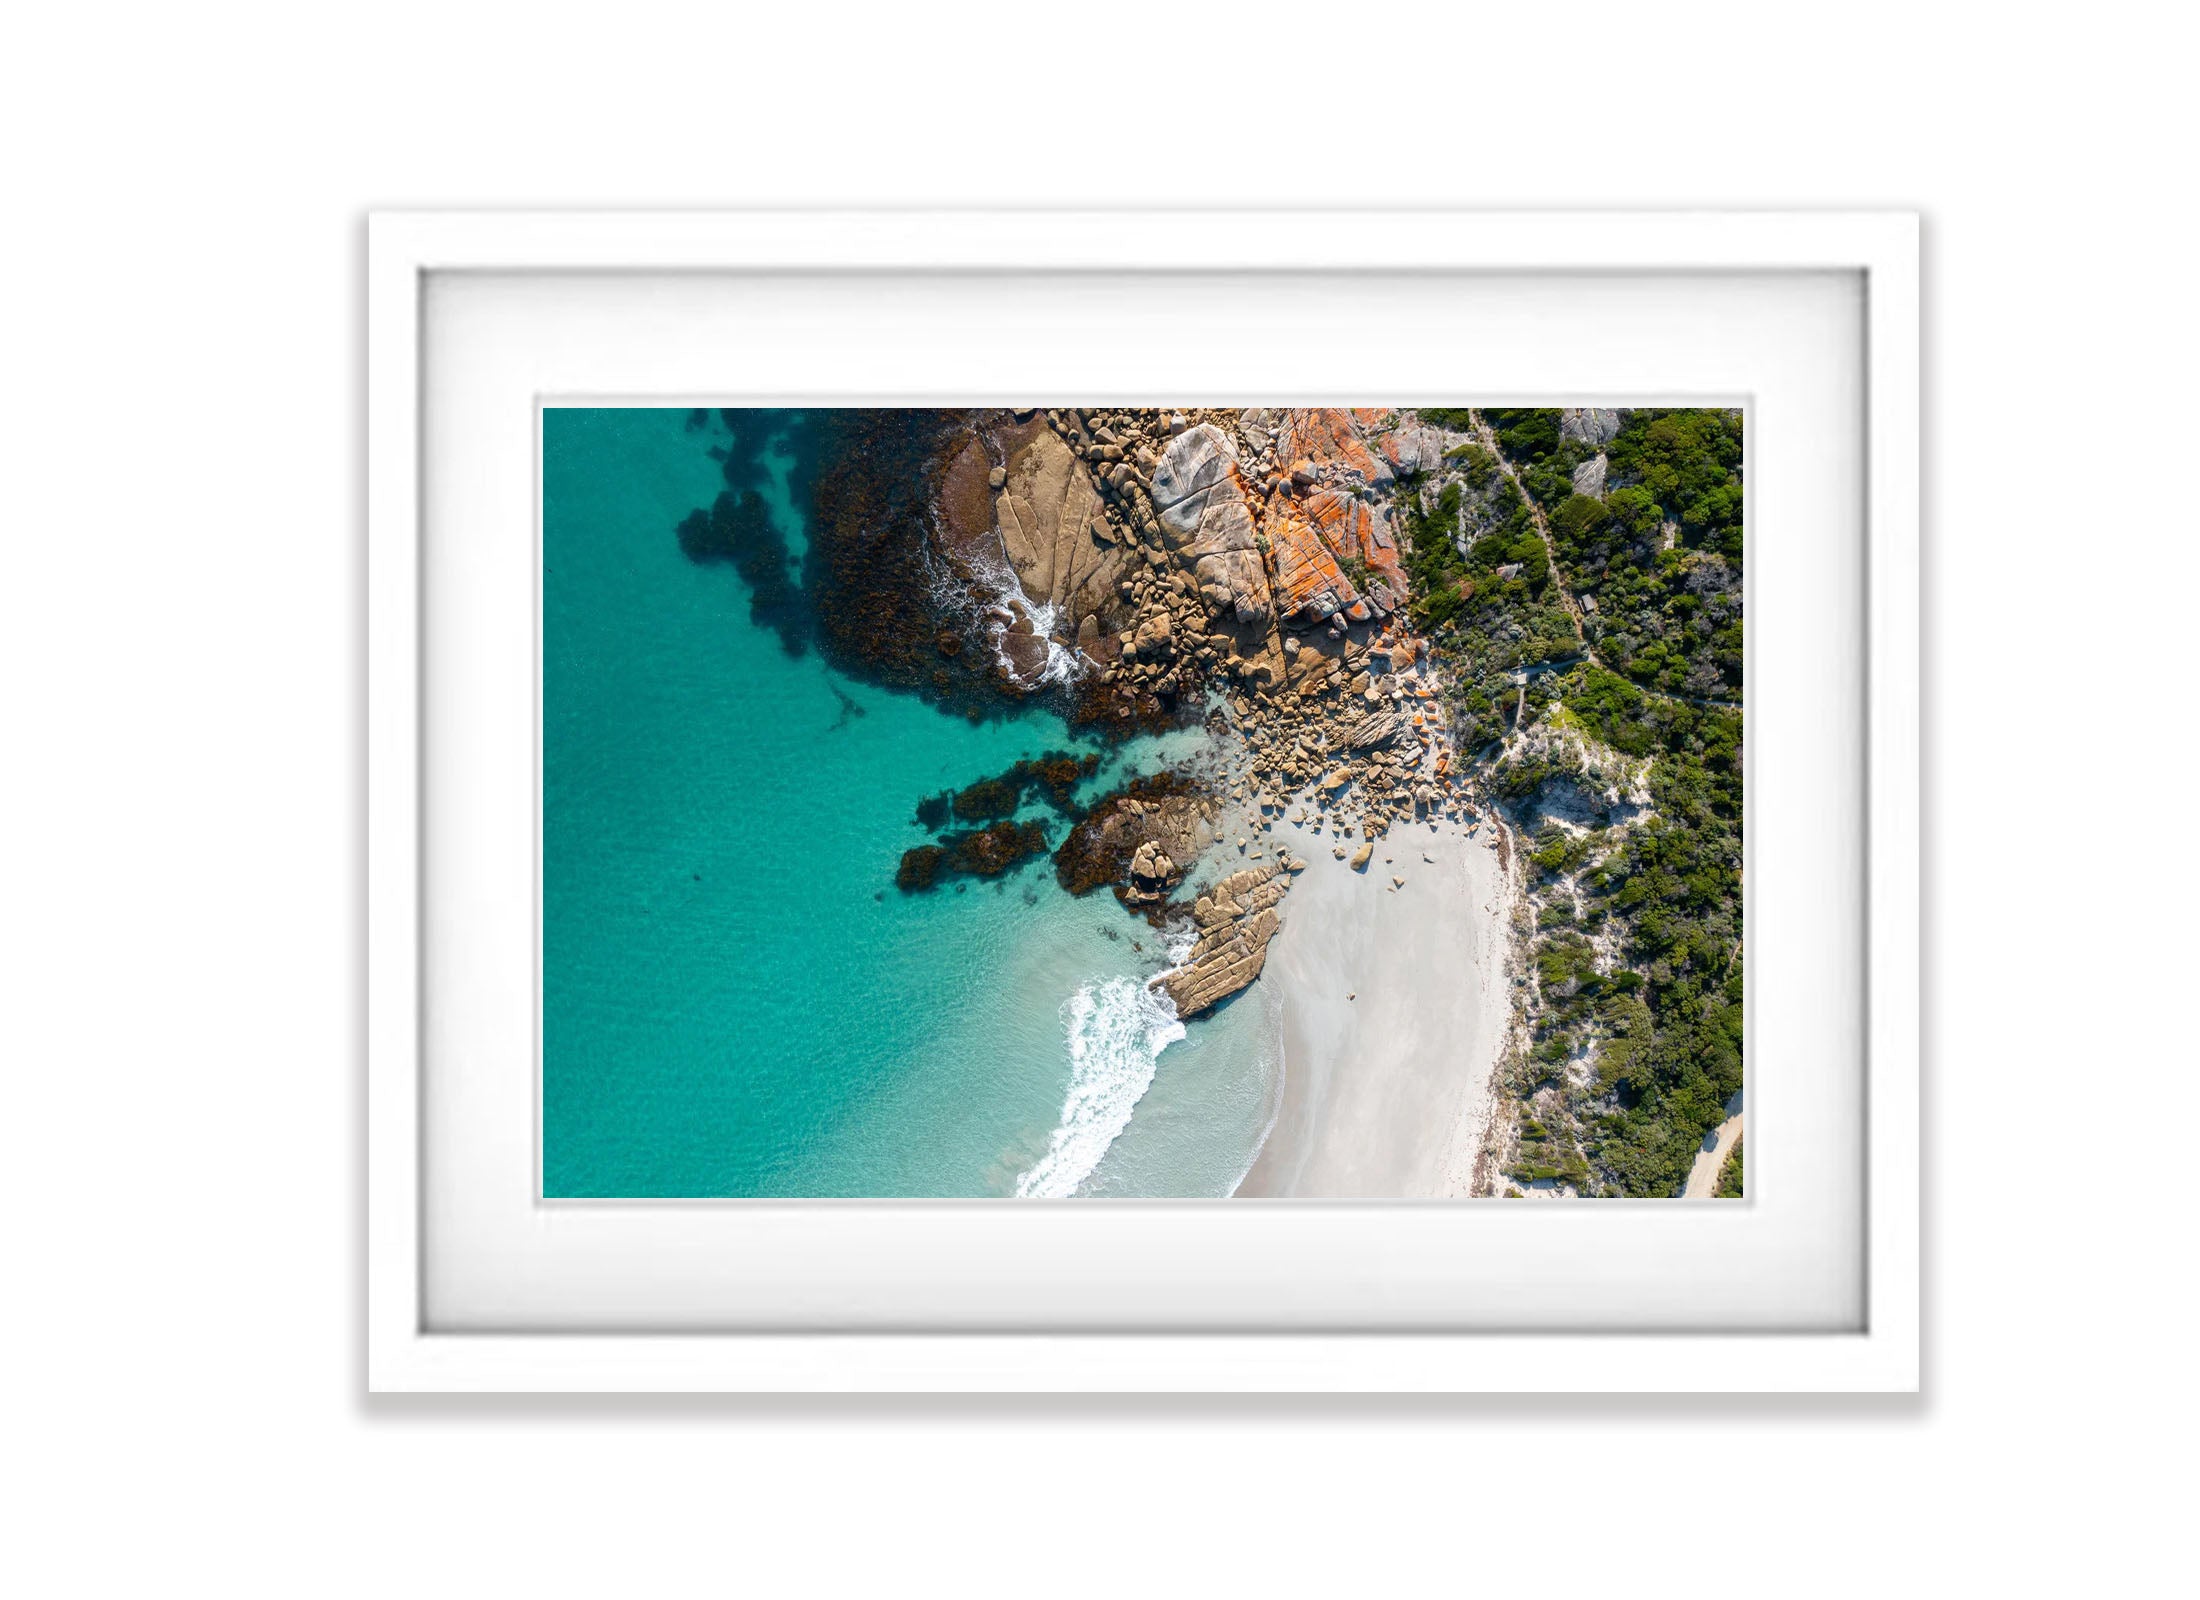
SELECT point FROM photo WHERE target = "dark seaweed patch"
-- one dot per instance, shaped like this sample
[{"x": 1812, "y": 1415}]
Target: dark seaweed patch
[
  {"x": 981, "y": 853},
  {"x": 738, "y": 529}
]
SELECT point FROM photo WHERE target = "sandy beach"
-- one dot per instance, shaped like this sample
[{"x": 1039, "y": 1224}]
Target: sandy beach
[{"x": 1395, "y": 1009}]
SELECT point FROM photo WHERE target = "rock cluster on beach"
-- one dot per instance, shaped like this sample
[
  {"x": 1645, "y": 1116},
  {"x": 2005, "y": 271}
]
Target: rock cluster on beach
[
  {"x": 1141, "y": 840},
  {"x": 1351, "y": 753},
  {"x": 1235, "y": 920}
]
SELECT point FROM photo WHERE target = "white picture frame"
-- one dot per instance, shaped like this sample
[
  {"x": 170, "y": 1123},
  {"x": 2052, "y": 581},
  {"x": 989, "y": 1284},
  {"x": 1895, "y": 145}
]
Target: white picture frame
[{"x": 406, "y": 1351}]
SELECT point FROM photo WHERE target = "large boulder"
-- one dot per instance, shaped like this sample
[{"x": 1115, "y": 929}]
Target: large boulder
[
  {"x": 1044, "y": 512},
  {"x": 1411, "y": 451},
  {"x": 1359, "y": 529},
  {"x": 1235, "y": 920},
  {"x": 1376, "y": 729},
  {"x": 1156, "y": 637},
  {"x": 1024, "y": 651},
  {"x": 1597, "y": 426},
  {"x": 1152, "y": 875},
  {"x": 1206, "y": 521},
  {"x": 1307, "y": 583}
]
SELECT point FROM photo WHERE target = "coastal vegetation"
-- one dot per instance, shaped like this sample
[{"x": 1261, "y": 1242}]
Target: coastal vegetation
[
  {"x": 1658, "y": 557},
  {"x": 1615, "y": 748},
  {"x": 1481, "y": 586},
  {"x": 1730, "y": 1176}
]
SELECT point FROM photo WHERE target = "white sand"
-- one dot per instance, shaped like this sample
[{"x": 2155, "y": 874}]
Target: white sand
[{"x": 1387, "y": 1094}]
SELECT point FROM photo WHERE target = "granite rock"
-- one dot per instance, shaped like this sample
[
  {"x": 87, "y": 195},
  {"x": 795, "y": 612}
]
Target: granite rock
[
  {"x": 1597, "y": 426},
  {"x": 1235, "y": 921},
  {"x": 1206, "y": 521}
]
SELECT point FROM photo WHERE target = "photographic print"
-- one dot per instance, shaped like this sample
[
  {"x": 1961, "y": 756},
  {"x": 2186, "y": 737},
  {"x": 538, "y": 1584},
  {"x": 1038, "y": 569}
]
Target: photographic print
[{"x": 1142, "y": 802}]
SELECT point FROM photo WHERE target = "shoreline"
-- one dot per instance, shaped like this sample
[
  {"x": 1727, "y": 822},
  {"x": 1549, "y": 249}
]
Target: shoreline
[{"x": 1395, "y": 1013}]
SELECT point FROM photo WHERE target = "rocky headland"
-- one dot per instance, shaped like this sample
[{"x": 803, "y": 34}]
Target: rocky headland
[{"x": 1153, "y": 567}]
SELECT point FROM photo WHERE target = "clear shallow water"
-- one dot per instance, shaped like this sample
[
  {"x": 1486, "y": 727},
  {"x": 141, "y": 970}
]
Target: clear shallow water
[{"x": 736, "y": 998}]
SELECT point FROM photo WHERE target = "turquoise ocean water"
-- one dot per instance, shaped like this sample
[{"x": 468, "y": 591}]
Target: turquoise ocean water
[{"x": 736, "y": 999}]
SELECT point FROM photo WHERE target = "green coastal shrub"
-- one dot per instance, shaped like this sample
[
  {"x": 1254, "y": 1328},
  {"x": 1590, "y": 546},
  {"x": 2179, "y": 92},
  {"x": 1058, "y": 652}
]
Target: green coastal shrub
[{"x": 1730, "y": 1176}]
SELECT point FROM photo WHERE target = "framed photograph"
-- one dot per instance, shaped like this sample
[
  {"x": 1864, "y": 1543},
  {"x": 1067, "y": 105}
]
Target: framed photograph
[{"x": 1179, "y": 801}]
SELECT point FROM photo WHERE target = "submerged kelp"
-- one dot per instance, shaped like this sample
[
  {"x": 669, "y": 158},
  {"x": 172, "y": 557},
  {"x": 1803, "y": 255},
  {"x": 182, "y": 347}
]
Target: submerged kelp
[
  {"x": 981, "y": 853},
  {"x": 1055, "y": 775},
  {"x": 738, "y": 528}
]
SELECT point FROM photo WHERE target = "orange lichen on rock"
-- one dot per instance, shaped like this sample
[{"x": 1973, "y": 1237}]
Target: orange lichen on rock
[
  {"x": 1353, "y": 527},
  {"x": 1409, "y": 451},
  {"x": 1327, "y": 436},
  {"x": 1305, "y": 578}
]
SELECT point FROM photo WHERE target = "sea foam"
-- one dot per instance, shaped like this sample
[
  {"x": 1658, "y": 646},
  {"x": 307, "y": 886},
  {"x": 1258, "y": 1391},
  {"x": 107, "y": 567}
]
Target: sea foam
[
  {"x": 1117, "y": 1030},
  {"x": 996, "y": 591}
]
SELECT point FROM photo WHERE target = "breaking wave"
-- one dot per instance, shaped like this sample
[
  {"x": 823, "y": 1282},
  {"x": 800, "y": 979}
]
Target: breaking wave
[
  {"x": 1001, "y": 603},
  {"x": 1117, "y": 1030}
]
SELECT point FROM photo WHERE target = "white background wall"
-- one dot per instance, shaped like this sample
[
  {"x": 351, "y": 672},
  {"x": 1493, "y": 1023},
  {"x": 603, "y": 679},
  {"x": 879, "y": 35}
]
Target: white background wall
[{"x": 180, "y": 667}]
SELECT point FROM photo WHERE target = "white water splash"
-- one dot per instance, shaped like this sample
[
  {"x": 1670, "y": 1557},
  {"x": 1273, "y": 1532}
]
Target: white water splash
[
  {"x": 1003, "y": 593},
  {"x": 1117, "y": 1030}
]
